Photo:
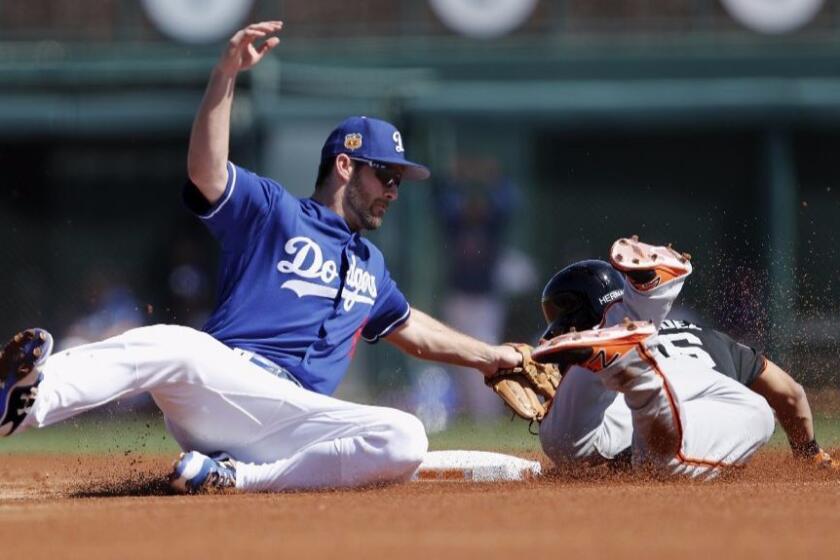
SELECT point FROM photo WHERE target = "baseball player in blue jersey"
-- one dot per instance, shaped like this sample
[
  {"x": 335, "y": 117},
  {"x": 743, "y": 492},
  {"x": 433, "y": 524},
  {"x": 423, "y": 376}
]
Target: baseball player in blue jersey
[{"x": 248, "y": 398}]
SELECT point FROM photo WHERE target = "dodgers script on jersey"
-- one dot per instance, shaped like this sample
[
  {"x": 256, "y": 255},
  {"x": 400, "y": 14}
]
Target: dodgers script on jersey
[{"x": 296, "y": 285}]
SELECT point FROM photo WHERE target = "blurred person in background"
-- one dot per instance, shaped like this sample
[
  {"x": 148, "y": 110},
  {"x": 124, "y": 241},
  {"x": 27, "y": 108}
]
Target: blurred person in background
[
  {"x": 180, "y": 278},
  {"x": 476, "y": 204},
  {"x": 112, "y": 308}
]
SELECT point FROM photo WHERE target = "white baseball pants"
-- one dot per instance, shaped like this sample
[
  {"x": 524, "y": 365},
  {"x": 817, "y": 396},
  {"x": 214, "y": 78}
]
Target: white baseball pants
[
  {"x": 677, "y": 415},
  {"x": 283, "y": 437}
]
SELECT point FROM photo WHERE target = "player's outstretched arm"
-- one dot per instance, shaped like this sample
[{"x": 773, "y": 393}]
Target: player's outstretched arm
[
  {"x": 208, "y": 151},
  {"x": 429, "y": 339},
  {"x": 788, "y": 400}
]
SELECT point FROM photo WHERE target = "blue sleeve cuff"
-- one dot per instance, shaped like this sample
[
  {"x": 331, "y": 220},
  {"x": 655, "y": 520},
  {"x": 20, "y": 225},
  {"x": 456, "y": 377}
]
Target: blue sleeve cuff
[
  {"x": 390, "y": 328},
  {"x": 195, "y": 201}
]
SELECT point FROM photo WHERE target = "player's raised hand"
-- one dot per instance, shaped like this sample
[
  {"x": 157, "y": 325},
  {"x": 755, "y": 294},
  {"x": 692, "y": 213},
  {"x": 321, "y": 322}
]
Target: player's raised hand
[{"x": 242, "y": 53}]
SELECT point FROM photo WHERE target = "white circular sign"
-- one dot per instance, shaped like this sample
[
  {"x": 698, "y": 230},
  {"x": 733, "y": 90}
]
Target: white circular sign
[
  {"x": 773, "y": 16},
  {"x": 483, "y": 18},
  {"x": 197, "y": 21}
]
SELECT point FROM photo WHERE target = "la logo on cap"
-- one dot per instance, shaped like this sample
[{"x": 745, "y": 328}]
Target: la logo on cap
[{"x": 353, "y": 141}]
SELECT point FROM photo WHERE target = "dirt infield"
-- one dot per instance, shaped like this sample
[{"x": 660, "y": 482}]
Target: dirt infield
[{"x": 118, "y": 507}]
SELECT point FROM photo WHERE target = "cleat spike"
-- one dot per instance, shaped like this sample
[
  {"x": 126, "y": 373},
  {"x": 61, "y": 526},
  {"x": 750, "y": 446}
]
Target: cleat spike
[
  {"x": 175, "y": 462},
  {"x": 654, "y": 256},
  {"x": 635, "y": 261},
  {"x": 635, "y": 238},
  {"x": 217, "y": 473},
  {"x": 20, "y": 375},
  {"x": 619, "y": 258},
  {"x": 622, "y": 241}
]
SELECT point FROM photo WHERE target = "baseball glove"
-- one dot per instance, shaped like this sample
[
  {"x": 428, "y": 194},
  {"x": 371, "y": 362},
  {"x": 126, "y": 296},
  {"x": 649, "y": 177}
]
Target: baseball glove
[{"x": 521, "y": 387}]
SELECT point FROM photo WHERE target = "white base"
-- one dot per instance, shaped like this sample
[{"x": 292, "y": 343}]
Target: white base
[{"x": 475, "y": 466}]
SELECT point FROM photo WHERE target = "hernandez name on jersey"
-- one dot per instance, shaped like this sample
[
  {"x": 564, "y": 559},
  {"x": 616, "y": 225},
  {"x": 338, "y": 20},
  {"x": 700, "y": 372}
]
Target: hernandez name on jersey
[
  {"x": 296, "y": 284},
  {"x": 712, "y": 348}
]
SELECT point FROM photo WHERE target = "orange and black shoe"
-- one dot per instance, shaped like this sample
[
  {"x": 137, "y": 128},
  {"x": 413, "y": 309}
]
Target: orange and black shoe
[
  {"x": 595, "y": 349},
  {"x": 823, "y": 460},
  {"x": 648, "y": 266},
  {"x": 811, "y": 453}
]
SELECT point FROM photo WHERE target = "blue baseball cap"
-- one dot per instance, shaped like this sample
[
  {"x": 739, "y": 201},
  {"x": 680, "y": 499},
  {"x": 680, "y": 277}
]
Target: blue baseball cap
[{"x": 372, "y": 140}]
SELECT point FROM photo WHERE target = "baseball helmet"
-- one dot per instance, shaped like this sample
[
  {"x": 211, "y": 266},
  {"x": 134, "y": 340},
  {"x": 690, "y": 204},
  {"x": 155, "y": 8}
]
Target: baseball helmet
[{"x": 578, "y": 296}]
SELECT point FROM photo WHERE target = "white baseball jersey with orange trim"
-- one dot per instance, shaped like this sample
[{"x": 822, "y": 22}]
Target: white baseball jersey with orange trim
[{"x": 717, "y": 421}]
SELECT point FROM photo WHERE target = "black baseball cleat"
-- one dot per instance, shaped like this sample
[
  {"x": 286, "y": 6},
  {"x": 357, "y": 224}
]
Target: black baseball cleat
[{"x": 20, "y": 374}]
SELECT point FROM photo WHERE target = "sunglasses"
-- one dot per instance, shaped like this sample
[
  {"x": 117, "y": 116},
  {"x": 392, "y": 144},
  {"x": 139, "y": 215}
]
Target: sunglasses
[{"x": 388, "y": 175}]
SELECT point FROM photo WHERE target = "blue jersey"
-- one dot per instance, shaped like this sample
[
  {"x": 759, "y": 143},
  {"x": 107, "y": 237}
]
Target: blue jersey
[{"x": 295, "y": 285}]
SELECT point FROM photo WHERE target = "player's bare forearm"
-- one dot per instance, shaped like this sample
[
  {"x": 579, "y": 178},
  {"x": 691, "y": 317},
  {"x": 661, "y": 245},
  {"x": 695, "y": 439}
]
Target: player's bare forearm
[
  {"x": 210, "y": 136},
  {"x": 788, "y": 400},
  {"x": 426, "y": 338},
  {"x": 208, "y": 152}
]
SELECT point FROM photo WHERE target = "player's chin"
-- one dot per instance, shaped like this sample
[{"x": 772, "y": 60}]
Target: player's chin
[
  {"x": 373, "y": 221},
  {"x": 378, "y": 210}
]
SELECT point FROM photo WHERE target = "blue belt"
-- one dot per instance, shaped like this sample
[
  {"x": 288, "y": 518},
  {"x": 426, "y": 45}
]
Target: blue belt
[{"x": 267, "y": 365}]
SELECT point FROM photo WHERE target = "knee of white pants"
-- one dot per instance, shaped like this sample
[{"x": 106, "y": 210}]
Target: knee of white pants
[
  {"x": 567, "y": 440},
  {"x": 407, "y": 443},
  {"x": 762, "y": 416},
  {"x": 565, "y": 450},
  {"x": 558, "y": 448}
]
